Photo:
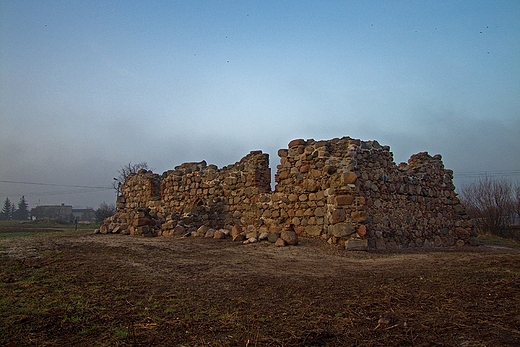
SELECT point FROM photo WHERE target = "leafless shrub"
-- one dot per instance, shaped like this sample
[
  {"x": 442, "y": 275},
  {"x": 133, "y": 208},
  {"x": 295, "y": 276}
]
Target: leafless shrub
[
  {"x": 126, "y": 170},
  {"x": 490, "y": 202}
]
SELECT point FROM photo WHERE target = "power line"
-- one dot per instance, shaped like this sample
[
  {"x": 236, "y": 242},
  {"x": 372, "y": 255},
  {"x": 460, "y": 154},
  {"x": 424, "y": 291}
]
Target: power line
[
  {"x": 56, "y": 185},
  {"x": 477, "y": 174},
  {"x": 62, "y": 192},
  {"x": 491, "y": 172}
]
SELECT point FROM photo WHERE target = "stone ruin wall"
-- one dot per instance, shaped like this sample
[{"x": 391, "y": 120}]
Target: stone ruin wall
[{"x": 346, "y": 191}]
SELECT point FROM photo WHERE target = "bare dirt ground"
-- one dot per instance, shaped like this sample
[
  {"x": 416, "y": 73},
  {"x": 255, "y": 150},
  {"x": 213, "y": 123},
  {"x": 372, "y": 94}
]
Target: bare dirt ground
[{"x": 114, "y": 290}]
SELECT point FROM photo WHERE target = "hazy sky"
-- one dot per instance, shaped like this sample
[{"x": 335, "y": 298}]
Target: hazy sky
[{"x": 88, "y": 86}]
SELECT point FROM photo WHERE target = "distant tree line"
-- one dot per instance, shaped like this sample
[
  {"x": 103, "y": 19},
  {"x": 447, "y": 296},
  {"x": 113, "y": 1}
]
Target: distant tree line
[
  {"x": 21, "y": 212},
  {"x": 12, "y": 212},
  {"x": 494, "y": 205}
]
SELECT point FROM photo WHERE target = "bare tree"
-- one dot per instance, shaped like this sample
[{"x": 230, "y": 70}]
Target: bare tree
[
  {"x": 104, "y": 211},
  {"x": 125, "y": 171},
  {"x": 490, "y": 202}
]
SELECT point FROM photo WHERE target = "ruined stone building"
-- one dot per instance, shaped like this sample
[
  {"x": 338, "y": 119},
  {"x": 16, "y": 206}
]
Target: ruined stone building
[{"x": 346, "y": 191}]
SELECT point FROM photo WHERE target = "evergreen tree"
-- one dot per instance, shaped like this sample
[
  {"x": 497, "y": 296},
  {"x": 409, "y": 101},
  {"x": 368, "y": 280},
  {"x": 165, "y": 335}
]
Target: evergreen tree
[
  {"x": 7, "y": 210},
  {"x": 22, "y": 213}
]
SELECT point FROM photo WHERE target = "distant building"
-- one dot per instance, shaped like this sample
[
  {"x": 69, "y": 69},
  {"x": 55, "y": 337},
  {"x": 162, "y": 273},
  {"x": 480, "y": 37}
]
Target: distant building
[
  {"x": 62, "y": 213},
  {"x": 84, "y": 214}
]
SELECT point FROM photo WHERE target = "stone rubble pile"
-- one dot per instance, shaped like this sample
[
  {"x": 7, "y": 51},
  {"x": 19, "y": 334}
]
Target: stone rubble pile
[{"x": 346, "y": 191}]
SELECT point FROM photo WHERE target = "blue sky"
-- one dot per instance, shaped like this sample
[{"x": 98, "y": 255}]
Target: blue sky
[{"x": 88, "y": 86}]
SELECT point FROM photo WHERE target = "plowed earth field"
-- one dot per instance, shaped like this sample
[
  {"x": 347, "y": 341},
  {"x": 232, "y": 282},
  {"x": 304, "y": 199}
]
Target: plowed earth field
[{"x": 114, "y": 290}]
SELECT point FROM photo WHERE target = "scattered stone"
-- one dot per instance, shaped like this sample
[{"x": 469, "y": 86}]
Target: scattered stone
[
  {"x": 219, "y": 235},
  {"x": 210, "y": 233},
  {"x": 280, "y": 243},
  {"x": 179, "y": 230},
  {"x": 235, "y": 231},
  {"x": 290, "y": 237},
  {"x": 252, "y": 234},
  {"x": 263, "y": 236},
  {"x": 273, "y": 237},
  {"x": 202, "y": 230},
  {"x": 239, "y": 237}
]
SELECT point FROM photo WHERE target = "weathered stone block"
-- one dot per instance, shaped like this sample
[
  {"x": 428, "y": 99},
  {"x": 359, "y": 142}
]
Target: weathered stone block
[
  {"x": 296, "y": 142},
  {"x": 330, "y": 169},
  {"x": 273, "y": 237},
  {"x": 311, "y": 185},
  {"x": 103, "y": 229},
  {"x": 359, "y": 216},
  {"x": 282, "y": 153},
  {"x": 235, "y": 231},
  {"x": 293, "y": 197},
  {"x": 142, "y": 221},
  {"x": 289, "y": 236},
  {"x": 203, "y": 229},
  {"x": 362, "y": 230},
  {"x": 167, "y": 225},
  {"x": 343, "y": 229},
  {"x": 342, "y": 200},
  {"x": 275, "y": 229},
  {"x": 462, "y": 233},
  {"x": 275, "y": 197},
  {"x": 280, "y": 243},
  {"x": 348, "y": 178},
  {"x": 252, "y": 234},
  {"x": 239, "y": 237},
  {"x": 179, "y": 230},
  {"x": 313, "y": 230},
  {"x": 219, "y": 234},
  {"x": 141, "y": 230},
  {"x": 356, "y": 245},
  {"x": 337, "y": 215},
  {"x": 263, "y": 236}
]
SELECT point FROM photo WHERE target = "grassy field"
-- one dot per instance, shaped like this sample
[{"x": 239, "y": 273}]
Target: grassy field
[
  {"x": 37, "y": 228},
  {"x": 61, "y": 287}
]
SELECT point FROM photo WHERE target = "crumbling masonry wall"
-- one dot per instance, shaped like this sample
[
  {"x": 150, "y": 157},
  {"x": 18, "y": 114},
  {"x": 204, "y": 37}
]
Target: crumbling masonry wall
[{"x": 346, "y": 191}]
